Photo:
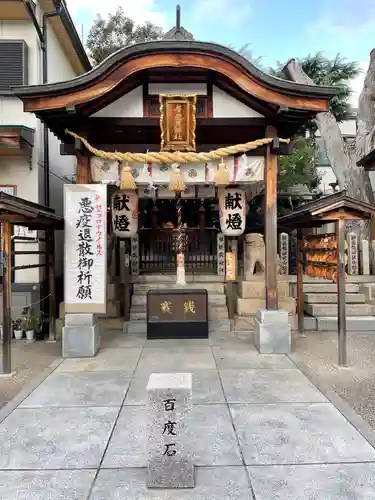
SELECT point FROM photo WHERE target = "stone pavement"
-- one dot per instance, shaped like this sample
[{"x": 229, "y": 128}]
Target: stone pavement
[{"x": 259, "y": 428}]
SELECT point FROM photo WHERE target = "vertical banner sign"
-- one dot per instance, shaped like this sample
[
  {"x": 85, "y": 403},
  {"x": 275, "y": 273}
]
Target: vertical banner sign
[
  {"x": 85, "y": 213},
  {"x": 230, "y": 266},
  {"x": 124, "y": 206},
  {"x": 232, "y": 206}
]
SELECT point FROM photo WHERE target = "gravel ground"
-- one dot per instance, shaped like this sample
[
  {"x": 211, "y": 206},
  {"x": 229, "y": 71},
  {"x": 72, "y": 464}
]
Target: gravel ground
[
  {"x": 317, "y": 354},
  {"x": 29, "y": 360}
]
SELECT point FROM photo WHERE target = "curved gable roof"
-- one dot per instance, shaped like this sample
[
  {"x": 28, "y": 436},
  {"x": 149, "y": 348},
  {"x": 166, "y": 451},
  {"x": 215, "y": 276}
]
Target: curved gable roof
[{"x": 174, "y": 53}]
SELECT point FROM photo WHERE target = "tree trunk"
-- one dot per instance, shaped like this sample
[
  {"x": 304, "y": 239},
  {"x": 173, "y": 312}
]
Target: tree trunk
[{"x": 343, "y": 157}]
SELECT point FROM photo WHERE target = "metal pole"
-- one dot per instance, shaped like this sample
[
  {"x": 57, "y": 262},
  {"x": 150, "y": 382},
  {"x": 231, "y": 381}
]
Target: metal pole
[
  {"x": 7, "y": 294},
  {"x": 341, "y": 302},
  {"x": 301, "y": 319},
  {"x": 51, "y": 285}
]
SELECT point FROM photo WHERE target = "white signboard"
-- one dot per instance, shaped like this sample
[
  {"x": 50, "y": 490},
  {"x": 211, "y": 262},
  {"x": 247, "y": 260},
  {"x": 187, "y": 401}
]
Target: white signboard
[
  {"x": 232, "y": 207},
  {"x": 124, "y": 207},
  {"x": 85, "y": 214}
]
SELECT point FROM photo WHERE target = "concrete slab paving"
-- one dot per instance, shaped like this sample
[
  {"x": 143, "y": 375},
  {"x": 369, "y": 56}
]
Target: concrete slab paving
[
  {"x": 209, "y": 429},
  {"x": 297, "y": 433},
  {"x": 106, "y": 388},
  {"x": 55, "y": 438},
  {"x": 317, "y": 482},
  {"x": 71, "y": 438},
  {"x": 212, "y": 483},
  {"x": 175, "y": 359},
  {"x": 106, "y": 359},
  {"x": 239, "y": 358},
  {"x": 269, "y": 386},
  {"x": 117, "y": 339},
  {"x": 206, "y": 389},
  {"x": 46, "y": 485}
]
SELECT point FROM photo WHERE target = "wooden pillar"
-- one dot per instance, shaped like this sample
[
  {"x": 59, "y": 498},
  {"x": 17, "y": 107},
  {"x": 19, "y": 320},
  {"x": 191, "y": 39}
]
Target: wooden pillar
[
  {"x": 6, "y": 367},
  {"x": 271, "y": 223},
  {"x": 50, "y": 244},
  {"x": 341, "y": 301},
  {"x": 300, "y": 308},
  {"x": 83, "y": 167}
]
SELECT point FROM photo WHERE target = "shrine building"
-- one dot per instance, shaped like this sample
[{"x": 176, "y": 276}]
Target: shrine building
[{"x": 173, "y": 139}]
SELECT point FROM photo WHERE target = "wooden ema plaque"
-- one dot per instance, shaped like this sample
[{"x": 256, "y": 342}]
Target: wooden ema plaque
[
  {"x": 177, "y": 314},
  {"x": 177, "y": 122}
]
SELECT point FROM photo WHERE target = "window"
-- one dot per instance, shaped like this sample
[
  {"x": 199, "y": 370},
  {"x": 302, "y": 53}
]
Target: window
[{"x": 13, "y": 65}]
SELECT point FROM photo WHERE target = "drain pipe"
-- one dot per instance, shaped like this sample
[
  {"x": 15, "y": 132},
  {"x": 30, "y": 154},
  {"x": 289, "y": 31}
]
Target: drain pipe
[{"x": 43, "y": 39}]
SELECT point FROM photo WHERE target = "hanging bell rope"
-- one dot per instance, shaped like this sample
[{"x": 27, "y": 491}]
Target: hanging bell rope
[
  {"x": 177, "y": 184},
  {"x": 222, "y": 175},
  {"x": 180, "y": 157},
  {"x": 127, "y": 179}
]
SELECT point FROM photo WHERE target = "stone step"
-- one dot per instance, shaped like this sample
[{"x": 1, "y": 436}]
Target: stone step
[
  {"x": 171, "y": 278},
  {"x": 324, "y": 288},
  {"x": 215, "y": 299},
  {"x": 214, "y": 313},
  {"x": 248, "y": 307},
  {"x": 353, "y": 323},
  {"x": 323, "y": 310},
  {"x": 223, "y": 325},
  {"x": 331, "y": 298},
  {"x": 143, "y": 288},
  {"x": 110, "y": 323}
]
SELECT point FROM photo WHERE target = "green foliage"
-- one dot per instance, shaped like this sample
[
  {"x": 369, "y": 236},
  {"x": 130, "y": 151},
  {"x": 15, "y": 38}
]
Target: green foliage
[
  {"x": 336, "y": 72},
  {"x": 299, "y": 168},
  {"x": 109, "y": 35}
]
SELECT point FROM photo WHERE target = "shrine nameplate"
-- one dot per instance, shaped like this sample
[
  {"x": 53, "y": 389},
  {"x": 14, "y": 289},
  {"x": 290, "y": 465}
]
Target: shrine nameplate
[{"x": 177, "y": 314}]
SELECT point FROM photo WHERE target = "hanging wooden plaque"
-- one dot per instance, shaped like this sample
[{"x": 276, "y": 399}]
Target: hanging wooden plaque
[{"x": 177, "y": 122}]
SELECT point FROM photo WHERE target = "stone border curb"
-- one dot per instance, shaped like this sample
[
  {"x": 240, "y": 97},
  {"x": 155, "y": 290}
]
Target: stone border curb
[
  {"x": 339, "y": 403},
  {"x": 26, "y": 391}
]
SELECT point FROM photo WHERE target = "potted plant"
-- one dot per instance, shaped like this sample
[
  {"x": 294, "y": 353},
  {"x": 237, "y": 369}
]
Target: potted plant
[
  {"x": 28, "y": 327},
  {"x": 17, "y": 329},
  {"x": 37, "y": 317}
]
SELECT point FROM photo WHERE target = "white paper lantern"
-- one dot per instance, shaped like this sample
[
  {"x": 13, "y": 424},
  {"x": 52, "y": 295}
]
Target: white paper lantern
[
  {"x": 232, "y": 205},
  {"x": 124, "y": 206}
]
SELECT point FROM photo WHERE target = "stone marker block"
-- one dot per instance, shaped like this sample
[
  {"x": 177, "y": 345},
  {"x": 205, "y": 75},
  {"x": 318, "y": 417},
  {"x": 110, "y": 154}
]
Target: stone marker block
[
  {"x": 80, "y": 336},
  {"x": 284, "y": 253},
  {"x": 365, "y": 257},
  {"x": 272, "y": 332},
  {"x": 170, "y": 460},
  {"x": 353, "y": 265}
]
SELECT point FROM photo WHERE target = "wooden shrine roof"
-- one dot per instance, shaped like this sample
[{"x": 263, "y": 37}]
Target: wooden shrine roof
[
  {"x": 325, "y": 210},
  {"x": 25, "y": 213},
  {"x": 173, "y": 61}
]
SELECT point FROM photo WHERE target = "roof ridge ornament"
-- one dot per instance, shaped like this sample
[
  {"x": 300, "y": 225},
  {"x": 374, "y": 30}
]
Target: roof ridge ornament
[{"x": 178, "y": 32}]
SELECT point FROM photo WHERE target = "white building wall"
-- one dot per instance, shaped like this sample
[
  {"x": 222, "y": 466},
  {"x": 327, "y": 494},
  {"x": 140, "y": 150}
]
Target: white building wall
[{"x": 29, "y": 179}]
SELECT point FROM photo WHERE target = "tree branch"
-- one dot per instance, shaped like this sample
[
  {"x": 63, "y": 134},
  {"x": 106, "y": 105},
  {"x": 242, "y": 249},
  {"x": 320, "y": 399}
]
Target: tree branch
[{"x": 366, "y": 112}]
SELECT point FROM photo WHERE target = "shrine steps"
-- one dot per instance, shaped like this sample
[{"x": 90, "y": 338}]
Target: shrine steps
[{"x": 217, "y": 302}]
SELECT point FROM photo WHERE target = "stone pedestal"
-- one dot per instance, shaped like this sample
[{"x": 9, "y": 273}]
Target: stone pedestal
[
  {"x": 81, "y": 336},
  {"x": 272, "y": 332},
  {"x": 170, "y": 461}
]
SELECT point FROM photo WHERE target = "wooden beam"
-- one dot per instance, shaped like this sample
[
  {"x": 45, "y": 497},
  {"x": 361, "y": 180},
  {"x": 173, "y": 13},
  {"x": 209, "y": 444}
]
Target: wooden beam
[
  {"x": 6, "y": 367},
  {"x": 300, "y": 308},
  {"x": 270, "y": 211},
  {"x": 83, "y": 167},
  {"x": 130, "y": 68},
  {"x": 341, "y": 301}
]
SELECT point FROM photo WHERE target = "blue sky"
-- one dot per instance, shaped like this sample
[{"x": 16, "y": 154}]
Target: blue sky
[{"x": 275, "y": 29}]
